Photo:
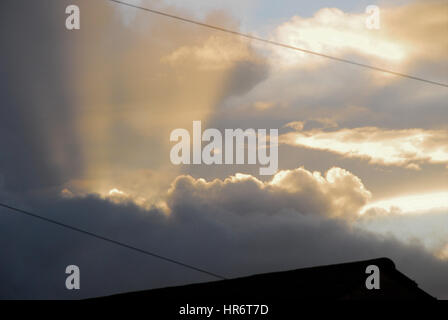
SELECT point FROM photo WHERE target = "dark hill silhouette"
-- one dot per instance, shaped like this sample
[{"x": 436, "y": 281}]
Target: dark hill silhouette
[{"x": 333, "y": 282}]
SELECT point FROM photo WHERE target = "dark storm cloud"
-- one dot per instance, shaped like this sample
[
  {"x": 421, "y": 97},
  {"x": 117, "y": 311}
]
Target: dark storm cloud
[
  {"x": 35, "y": 97},
  {"x": 205, "y": 228}
]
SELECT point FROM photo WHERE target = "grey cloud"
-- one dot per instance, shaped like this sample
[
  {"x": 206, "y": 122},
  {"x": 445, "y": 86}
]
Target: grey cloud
[
  {"x": 35, "y": 133},
  {"x": 244, "y": 76},
  {"x": 213, "y": 228}
]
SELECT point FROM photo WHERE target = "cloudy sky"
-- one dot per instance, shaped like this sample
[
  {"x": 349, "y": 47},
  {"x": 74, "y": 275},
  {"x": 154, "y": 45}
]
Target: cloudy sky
[{"x": 86, "y": 117}]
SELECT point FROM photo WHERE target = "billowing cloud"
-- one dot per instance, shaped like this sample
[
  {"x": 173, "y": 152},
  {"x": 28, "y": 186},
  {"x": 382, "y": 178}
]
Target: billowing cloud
[
  {"x": 233, "y": 227},
  {"x": 407, "y": 147},
  {"x": 419, "y": 219},
  {"x": 336, "y": 194}
]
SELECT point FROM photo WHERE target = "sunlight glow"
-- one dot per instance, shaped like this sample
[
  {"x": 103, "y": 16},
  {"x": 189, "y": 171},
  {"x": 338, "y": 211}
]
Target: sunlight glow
[
  {"x": 332, "y": 31},
  {"x": 115, "y": 192},
  {"x": 412, "y": 203},
  {"x": 407, "y": 147}
]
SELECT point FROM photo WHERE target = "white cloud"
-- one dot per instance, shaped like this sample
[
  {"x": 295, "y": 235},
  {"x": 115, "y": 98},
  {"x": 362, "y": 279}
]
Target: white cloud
[
  {"x": 333, "y": 32},
  {"x": 401, "y": 147}
]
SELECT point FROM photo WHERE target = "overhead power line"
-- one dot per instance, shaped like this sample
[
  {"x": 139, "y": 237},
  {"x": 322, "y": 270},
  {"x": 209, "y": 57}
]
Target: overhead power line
[
  {"x": 121, "y": 244},
  {"x": 279, "y": 44}
]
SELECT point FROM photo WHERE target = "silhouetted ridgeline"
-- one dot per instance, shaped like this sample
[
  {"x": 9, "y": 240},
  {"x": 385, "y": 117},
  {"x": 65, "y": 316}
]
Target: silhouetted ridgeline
[{"x": 345, "y": 281}]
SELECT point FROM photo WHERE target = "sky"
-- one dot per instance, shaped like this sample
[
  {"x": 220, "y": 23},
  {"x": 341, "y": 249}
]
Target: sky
[{"x": 86, "y": 117}]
